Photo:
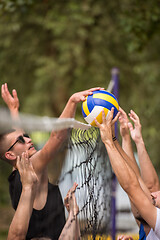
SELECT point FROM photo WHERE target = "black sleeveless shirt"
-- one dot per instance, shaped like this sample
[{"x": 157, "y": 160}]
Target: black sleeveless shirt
[{"x": 47, "y": 222}]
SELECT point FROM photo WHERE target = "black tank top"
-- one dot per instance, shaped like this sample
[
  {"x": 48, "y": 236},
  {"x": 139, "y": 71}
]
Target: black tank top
[{"x": 47, "y": 222}]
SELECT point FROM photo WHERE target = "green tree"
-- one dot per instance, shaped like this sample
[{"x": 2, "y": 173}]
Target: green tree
[{"x": 51, "y": 49}]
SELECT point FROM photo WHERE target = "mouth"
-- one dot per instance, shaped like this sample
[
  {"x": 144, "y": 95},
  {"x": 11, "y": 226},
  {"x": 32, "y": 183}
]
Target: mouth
[{"x": 31, "y": 147}]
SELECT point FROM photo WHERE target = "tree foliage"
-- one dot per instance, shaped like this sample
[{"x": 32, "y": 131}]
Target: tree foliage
[{"x": 51, "y": 49}]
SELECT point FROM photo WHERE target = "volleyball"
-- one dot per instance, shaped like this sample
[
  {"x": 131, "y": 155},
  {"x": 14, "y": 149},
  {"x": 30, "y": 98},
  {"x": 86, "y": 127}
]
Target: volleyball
[{"x": 94, "y": 104}]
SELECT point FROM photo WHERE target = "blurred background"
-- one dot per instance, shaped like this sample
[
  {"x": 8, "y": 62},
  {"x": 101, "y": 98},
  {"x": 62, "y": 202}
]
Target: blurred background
[{"x": 52, "y": 49}]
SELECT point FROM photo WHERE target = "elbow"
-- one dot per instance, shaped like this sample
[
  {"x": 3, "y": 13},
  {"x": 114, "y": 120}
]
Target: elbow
[{"x": 17, "y": 234}]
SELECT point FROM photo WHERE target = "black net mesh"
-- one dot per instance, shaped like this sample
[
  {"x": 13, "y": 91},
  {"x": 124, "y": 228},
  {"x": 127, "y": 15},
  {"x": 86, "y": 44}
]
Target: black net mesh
[{"x": 87, "y": 164}]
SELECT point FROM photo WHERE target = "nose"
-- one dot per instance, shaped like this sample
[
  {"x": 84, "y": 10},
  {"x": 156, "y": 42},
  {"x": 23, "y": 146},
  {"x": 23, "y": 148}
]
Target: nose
[{"x": 27, "y": 140}]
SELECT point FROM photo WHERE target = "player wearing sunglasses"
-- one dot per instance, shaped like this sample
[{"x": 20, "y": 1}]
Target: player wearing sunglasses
[
  {"x": 20, "y": 139},
  {"x": 48, "y": 209}
]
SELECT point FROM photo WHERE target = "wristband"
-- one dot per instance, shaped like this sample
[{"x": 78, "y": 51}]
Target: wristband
[{"x": 114, "y": 138}]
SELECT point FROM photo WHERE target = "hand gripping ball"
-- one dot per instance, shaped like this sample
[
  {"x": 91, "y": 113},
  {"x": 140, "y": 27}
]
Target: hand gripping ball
[{"x": 94, "y": 104}]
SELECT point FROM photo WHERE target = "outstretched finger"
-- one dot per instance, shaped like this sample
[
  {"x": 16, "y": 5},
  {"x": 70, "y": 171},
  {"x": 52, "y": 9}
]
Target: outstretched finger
[
  {"x": 122, "y": 111},
  {"x": 97, "y": 123},
  {"x": 103, "y": 117},
  {"x": 110, "y": 115},
  {"x": 28, "y": 163},
  {"x": 15, "y": 96},
  {"x": 3, "y": 91},
  {"x": 133, "y": 116},
  {"x": 23, "y": 159},
  {"x": 73, "y": 188},
  {"x": 134, "y": 119},
  {"x": 116, "y": 117},
  {"x": 130, "y": 126},
  {"x": 19, "y": 164},
  {"x": 95, "y": 89},
  {"x": 6, "y": 91}
]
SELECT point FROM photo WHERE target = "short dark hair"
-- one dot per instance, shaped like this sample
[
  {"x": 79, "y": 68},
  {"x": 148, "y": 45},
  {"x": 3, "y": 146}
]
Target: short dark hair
[{"x": 2, "y": 141}]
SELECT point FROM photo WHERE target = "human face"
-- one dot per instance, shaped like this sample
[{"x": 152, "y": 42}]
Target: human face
[
  {"x": 20, "y": 139},
  {"x": 20, "y": 142}
]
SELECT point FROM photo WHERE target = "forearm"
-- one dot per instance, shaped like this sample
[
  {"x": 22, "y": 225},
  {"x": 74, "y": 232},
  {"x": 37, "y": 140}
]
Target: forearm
[
  {"x": 70, "y": 109},
  {"x": 14, "y": 114},
  {"x": 127, "y": 154},
  {"x": 69, "y": 231},
  {"x": 20, "y": 222},
  {"x": 78, "y": 233},
  {"x": 133, "y": 165},
  {"x": 128, "y": 149},
  {"x": 148, "y": 171},
  {"x": 124, "y": 173},
  {"x": 126, "y": 176}
]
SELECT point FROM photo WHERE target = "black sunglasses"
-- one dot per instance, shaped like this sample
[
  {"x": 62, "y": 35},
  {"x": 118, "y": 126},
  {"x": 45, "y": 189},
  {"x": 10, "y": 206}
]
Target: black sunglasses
[{"x": 20, "y": 139}]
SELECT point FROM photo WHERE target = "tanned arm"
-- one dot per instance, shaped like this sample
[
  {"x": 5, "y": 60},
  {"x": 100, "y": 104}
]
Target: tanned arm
[
  {"x": 125, "y": 174},
  {"x": 19, "y": 225},
  {"x": 148, "y": 171}
]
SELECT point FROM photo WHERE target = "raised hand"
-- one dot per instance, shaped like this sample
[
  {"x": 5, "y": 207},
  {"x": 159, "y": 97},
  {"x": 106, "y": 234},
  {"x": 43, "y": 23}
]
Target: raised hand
[
  {"x": 106, "y": 126},
  {"x": 81, "y": 96},
  {"x": 70, "y": 201},
  {"x": 27, "y": 173},
  {"x": 12, "y": 101},
  {"x": 71, "y": 229},
  {"x": 135, "y": 131},
  {"x": 123, "y": 120}
]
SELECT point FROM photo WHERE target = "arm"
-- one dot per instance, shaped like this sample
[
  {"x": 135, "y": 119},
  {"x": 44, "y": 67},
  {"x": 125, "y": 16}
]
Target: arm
[
  {"x": 56, "y": 138},
  {"x": 148, "y": 171},
  {"x": 129, "y": 156},
  {"x": 70, "y": 108},
  {"x": 125, "y": 174},
  {"x": 127, "y": 152},
  {"x": 20, "y": 222},
  {"x": 125, "y": 134},
  {"x": 126, "y": 141},
  {"x": 71, "y": 229}
]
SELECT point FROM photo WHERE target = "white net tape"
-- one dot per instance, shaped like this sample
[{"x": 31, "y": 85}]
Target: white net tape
[
  {"x": 36, "y": 123},
  {"x": 32, "y": 123}
]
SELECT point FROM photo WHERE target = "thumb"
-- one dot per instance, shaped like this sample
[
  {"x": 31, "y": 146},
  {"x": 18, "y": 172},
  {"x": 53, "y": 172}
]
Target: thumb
[{"x": 83, "y": 98}]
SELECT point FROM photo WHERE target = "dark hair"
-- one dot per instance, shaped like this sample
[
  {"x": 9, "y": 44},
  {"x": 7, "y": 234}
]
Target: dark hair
[
  {"x": 2, "y": 141},
  {"x": 2, "y": 134}
]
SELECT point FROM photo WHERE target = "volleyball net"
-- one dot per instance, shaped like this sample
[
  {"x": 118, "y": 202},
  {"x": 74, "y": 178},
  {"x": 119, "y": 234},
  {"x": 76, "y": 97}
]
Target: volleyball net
[
  {"x": 91, "y": 169},
  {"x": 85, "y": 162}
]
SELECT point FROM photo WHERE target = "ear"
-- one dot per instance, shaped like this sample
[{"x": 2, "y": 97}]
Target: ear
[{"x": 10, "y": 155}]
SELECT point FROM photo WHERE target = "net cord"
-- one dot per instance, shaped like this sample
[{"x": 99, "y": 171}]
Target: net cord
[
  {"x": 44, "y": 124},
  {"x": 34, "y": 123}
]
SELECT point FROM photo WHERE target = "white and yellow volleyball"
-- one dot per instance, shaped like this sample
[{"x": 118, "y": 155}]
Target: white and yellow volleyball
[{"x": 94, "y": 104}]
